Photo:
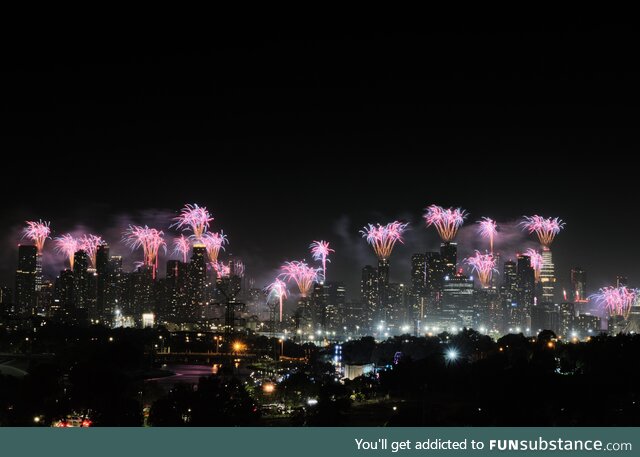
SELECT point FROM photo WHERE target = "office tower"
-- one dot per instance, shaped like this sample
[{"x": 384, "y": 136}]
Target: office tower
[
  {"x": 369, "y": 293},
  {"x": 396, "y": 308},
  {"x": 176, "y": 308},
  {"x": 352, "y": 316},
  {"x": 588, "y": 324},
  {"x": 329, "y": 305},
  {"x": 509, "y": 280},
  {"x": 547, "y": 276},
  {"x": 113, "y": 287},
  {"x": 567, "y": 315},
  {"x": 140, "y": 292},
  {"x": 489, "y": 312},
  {"x": 449, "y": 256},
  {"x": 64, "y": 295},
  {"x": 418, "y": 280},
  {"x": 102, "y": 275},
  {"x": 545, "y": 316},
  {"x": 458, "y": 301},
  {"x": 521, "y": 306},
  {"x": 198, "y": 278},
  {"x": 578, "y": 285},
  {"x": 25, "y": 286},
  {"x": 434, "y": 281},
  {"x": 81, "y": 279},
  {"x": 616, "y": 324},
  {"x": 6, "y": 299}
]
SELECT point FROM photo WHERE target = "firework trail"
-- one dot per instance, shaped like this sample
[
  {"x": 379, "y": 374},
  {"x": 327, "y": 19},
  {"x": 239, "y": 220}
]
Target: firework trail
[
  {"x": 488, "y": 229},
  {"x": 320, "y": 251},
  {"x": 222, "y": 270},
  {"x": 303, "y": 275},
  {"x": 38, "y": 232},
  {"x": 384, "y": 237},
  {"x": 278, "y": 290},
  {"x": 536, "y": 262},
  {"x": 213, "y": 242},
  {"x": 447, "y": 221},
  {"x": 617, "y": 301},
  {"x": 67, "y": 245},
  {"x": 484, "y": 265},
  {"x": 194, "y": 218},
  {"x": 150, "y": 240},
  {"x": 89, "y": 244},
  {"x": 545, "y": 228},
  {"x": 182, "y": 246}
]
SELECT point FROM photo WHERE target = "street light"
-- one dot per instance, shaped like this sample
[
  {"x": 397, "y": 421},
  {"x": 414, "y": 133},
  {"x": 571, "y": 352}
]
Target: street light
[{"x": 451, "y": 355}]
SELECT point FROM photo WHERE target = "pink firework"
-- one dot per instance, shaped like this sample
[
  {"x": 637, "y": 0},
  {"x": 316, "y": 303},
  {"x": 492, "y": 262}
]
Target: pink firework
[
  {"x": 488, "y": 229},
  {"x": 384, "y": 237},
  {"x": 277, "y": 290},
  {"x": 214, "y": 242},
  {"x": 194, "y": 218},
  {"x": 38, "y": 232},
  {"x": 617, "y": 301},
  {"x": 484, "y": 265},
  {"x": 89, "y": 244},
  {"x": 447, "y": 221},
  {"x": 150, "y": 240},
  {"x": 546, "y": 228},
  {"x": 182, "y": 246},
  {"x": 320, "y": 251},
  {"x": 222, "y": 270},
  {"x": 67, "y": 245},
  {"x": 536, "y": 262},
  {"x": 303, "y": 275}
]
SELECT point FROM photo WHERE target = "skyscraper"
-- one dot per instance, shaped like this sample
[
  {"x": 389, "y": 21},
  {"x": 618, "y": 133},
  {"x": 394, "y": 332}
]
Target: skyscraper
[
  {"x": 102, "y": 274},
  {"x": 578, "y": 285},
  {"x": 547, "y": 276},
  {"x": 81, "y": 279},
  {"x": 449, "y": 256},
  {"x": 458, "y": 301},
  {"x": 198, "y": 278},
  {"x": 369, "y": 292},
  {"x": 25, "y": 288},
  {"x": 434, "y": 279},
  {"x": 418, "y": 277},
  {"x": 520, "y": 313}
]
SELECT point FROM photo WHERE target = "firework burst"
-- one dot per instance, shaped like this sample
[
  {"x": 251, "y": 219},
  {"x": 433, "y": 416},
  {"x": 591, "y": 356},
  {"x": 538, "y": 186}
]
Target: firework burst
[
  {"x": 89, "y": 244},
  {"x": 277, "y": 290},
  {"x": 320, "y": 250},
  {"x": 182, "y": 246},
  {"x": 67, "y": 245},
  {"x": 384, "y": 237},
  {"x": 546, "y": 228},
  {"x": 237, "y": 267},
  {"x": 303, "y": 275},
  {"x": 213, "y": 242},
  {"x": 447, "y": 221},
  {"x": 223, "y": 270},
  {"x": 484, "y": 265},
  {"x": 38, "y": 232},
  {"x": 617, "y": 301},
  {"x": 536, "y": 262},
  {"x": 150, "y": 240},
  {"x": 194, "y": 218},
  {"x": 488, "y": 229}
]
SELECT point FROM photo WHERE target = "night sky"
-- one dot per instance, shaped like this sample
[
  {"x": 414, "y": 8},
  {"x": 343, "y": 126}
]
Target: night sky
[{"x": 287, "y": 141}]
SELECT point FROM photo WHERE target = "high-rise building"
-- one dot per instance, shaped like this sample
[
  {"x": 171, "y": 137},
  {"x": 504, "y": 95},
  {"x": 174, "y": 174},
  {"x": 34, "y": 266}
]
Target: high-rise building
[
  {"x": 567, "y": 314},
  {"x": 175, "y": 295},
  {"x": 6, "y": 299},
  {"x": 458, "y": 301},
  {"x": 418, "y": 276},
  {"x": 198, "y": 278},
  {"x": 547, "y": 276},
  {"x": 114, "y": 287},
  {"x": 545, "y": 316},
  {"x": 102, "y": 276},
  {"x": 509, "y": 280},
  {"x": 64, "y": 296},
  {"x": 369, "y": 293},
  {"x": 578, "y": 285},
  {"x": 434, "y": 281},
  {"x": 335, "y": 300},
  {"x": 449, "y": 256},
  {"x": 519, "y": 310},
  {"x": 81, "y": 277},
  {"x": 25, "y": 288},
  {"x": 588, "y": 324}
]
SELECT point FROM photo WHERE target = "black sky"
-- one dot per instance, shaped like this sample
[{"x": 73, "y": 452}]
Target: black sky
[{"x": 292, "y": 140}]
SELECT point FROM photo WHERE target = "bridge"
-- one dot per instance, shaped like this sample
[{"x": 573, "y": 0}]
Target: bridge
[{"x": 202, "y": 358}]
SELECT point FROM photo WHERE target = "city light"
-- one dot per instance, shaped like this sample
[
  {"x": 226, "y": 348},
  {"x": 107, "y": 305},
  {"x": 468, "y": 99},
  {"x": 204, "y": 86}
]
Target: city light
[{"x": 451, "y": 355}]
